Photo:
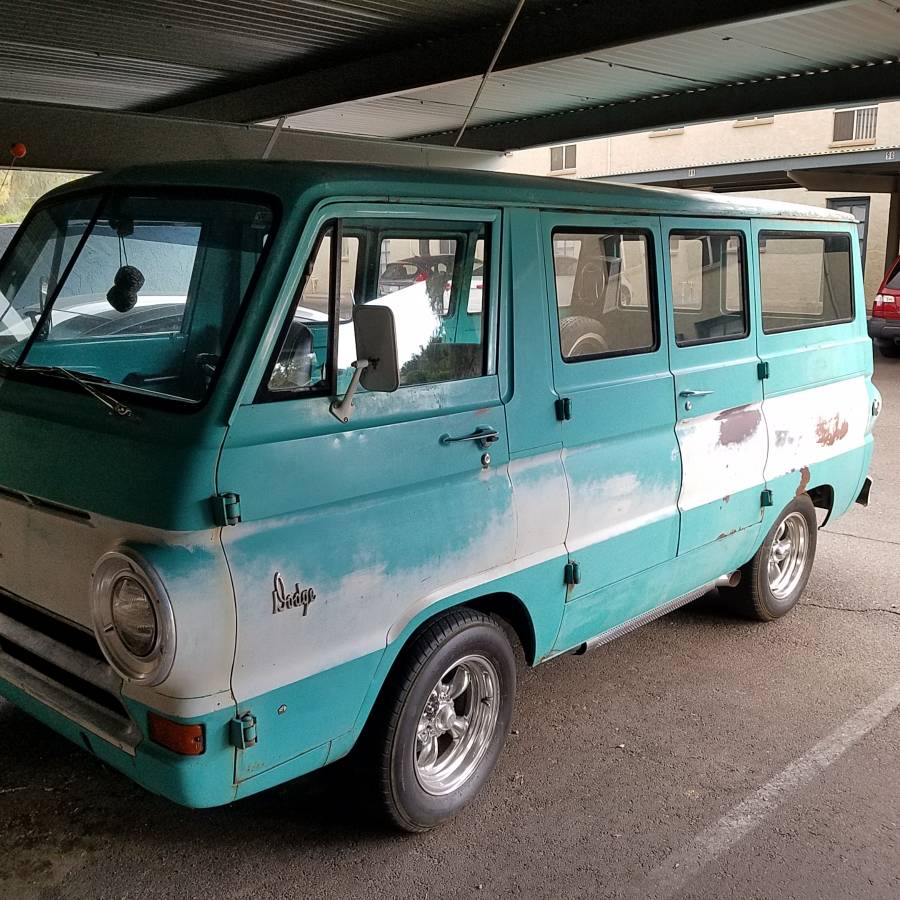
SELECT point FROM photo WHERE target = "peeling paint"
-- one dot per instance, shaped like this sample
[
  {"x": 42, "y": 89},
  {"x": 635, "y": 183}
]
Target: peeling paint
[
  {"x": 830, "y": 431},
  {"x": 738, "y": 425},
  {"x": 783, "y": 438},
  {"x": 726, "y": 534},
  {"x": 804, "y": 481}
]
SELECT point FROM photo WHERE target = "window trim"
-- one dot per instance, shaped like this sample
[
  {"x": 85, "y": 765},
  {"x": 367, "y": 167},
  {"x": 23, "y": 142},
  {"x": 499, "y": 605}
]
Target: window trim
[
  {"x": 765, "y": 234},
  {"x": 745, "y": 285},
  {"x": 652, "y": 286}
]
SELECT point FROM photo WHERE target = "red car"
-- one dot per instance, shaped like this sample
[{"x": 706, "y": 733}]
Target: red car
[{"x": 884, "y": 323}]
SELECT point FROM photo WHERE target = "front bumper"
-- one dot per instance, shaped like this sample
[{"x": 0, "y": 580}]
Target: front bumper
[{"x": 55, "y": 672}]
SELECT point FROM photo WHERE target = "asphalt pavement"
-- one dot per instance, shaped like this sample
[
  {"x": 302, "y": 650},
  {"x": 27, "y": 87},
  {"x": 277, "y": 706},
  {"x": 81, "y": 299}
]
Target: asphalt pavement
[{"x": 702, "y": 757}]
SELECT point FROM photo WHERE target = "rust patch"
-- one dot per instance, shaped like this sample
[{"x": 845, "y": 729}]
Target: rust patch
[
  {"x": 804, "y": 481},
  {"x": 726, "y": 498},
  {"x": 726, "y": 534},
  {"x": 830, "y": 431},
  {"x": 737, "y": 425}
]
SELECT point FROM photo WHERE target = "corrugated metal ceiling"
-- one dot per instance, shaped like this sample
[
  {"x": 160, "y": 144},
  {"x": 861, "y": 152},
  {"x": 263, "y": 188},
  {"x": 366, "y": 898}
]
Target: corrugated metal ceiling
[
  {"x": 161, "y": 54},
  {"x": 855, "y": 34},
  {"x": 113, "y": 54}
]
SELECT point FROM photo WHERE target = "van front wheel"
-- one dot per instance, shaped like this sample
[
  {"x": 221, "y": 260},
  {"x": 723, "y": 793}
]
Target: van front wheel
[
  {"x": 447, "y": 722},
  {"x": 772, "y": 582}
]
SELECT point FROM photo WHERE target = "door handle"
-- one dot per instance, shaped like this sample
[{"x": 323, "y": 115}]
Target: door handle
[
  {"x": 485, "y": 435},
  {"x": 690, "y": 393}
]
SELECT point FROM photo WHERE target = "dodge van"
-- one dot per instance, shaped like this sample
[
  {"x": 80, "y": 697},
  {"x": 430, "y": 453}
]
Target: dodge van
[{"x": 263, "y": 502}]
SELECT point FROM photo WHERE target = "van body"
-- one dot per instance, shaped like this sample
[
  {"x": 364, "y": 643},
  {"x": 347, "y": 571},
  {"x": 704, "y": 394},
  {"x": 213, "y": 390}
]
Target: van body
[{"x": 609, "y": 400}]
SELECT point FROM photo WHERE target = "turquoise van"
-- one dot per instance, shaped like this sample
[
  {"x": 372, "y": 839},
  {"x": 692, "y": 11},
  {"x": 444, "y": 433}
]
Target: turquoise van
[{"x": 293, "y": 455}]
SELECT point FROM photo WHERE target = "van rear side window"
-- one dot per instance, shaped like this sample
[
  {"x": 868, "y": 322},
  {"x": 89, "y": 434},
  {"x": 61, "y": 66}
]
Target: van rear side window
[
  {"x": 604, "y": 297},
  {"x": 806, "y": 280}
]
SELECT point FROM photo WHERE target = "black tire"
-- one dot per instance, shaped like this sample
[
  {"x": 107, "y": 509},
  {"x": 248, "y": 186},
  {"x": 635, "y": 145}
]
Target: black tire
[
  {"x": 891, "y": 351},
  {"x": 581, "y": 336},
  {"x": 459, "y": 635},
  {"x": 754, "y": 597}
]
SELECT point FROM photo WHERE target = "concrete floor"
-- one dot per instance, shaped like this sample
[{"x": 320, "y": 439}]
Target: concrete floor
[{"x": 633, "y": 772}]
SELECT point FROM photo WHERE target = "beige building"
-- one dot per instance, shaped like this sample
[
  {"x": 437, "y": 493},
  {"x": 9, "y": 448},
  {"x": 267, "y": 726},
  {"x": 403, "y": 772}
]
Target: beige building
[{"x": 766, "y": 156}]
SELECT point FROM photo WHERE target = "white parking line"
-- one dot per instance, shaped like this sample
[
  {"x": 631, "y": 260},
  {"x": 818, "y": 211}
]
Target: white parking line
[{"x": 678, "y": 868}]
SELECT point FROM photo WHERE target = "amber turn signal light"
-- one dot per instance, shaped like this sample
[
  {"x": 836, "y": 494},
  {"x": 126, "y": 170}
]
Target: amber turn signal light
[{"x": 186, "y": 740}]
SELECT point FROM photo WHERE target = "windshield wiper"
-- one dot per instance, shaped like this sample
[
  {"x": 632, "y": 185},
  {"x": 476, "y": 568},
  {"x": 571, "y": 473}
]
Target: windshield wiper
[{"x": 83, "y": 380}]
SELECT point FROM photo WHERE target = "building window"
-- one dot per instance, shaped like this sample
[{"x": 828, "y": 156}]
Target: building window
[
  {"x": 562, "y": 158},
  {"x": 852, "y": 125}
]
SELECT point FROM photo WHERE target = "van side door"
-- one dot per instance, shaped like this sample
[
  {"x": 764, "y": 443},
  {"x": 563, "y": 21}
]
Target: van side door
[
  {"x": 350, "y": 530},
  {"x": 818, "y": 358},
  {"x": 611, "y": 372},
  {"x": 718, "y": 391}
]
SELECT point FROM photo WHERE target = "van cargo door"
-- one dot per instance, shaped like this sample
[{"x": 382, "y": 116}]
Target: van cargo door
[{"x": 718, "y": 391}]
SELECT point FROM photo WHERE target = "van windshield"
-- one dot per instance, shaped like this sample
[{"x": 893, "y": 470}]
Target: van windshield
[{"x": 139, "y": 290}]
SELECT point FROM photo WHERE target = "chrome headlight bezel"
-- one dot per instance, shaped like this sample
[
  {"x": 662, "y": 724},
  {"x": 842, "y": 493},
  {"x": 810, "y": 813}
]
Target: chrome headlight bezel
[{"x": 152, "y": 668}]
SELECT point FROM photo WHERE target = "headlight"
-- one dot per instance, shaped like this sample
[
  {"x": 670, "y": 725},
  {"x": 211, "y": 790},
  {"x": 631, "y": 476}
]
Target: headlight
[{"x": 132, "y": 617}]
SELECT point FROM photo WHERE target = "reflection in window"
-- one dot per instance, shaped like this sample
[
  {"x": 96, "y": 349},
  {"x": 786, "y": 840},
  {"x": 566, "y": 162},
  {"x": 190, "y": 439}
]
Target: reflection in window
[
  {"x": 708, "y": 286},
  {"x": 805, "y": 280},
  {"x": 434, "y": 283},
  {"x": 603, "y": 294}
]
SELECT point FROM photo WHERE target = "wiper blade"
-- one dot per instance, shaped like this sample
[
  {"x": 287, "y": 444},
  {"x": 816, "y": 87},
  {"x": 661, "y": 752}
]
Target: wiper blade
[{"x": 83, "y": 380}]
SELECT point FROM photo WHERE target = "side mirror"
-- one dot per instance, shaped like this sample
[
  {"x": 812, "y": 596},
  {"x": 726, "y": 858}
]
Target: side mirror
[{"x": 376, "y": 366}]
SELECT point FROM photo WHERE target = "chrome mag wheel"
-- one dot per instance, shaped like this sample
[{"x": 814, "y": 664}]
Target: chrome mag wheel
[
  {"x": 788, "y": 555},
  {"x": 457, "y": 724}
]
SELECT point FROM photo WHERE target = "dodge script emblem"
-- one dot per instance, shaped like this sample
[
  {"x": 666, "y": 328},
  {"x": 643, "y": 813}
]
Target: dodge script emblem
[{"x": 282, "y": 600}]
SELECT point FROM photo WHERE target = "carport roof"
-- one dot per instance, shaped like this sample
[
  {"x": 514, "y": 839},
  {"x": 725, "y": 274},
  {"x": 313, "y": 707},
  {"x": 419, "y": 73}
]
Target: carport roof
[{"x": 407, "y": 69}]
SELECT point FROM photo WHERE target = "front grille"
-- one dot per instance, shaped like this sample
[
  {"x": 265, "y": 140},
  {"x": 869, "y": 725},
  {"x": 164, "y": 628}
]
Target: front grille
[
  {"x": 53, "y": 627},
  {"x": 62, "y": 665}
]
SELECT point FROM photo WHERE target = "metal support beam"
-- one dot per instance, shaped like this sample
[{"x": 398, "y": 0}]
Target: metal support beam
[
  {"x": 839, "y": 180},
  {"x": 865, "y": 84},
  {"x": 566, "y": 31},
  {"x": 77, "y": 139}
]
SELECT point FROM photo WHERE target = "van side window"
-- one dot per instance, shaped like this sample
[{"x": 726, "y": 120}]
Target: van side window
[
  {"x": 604, "y": 295},
  {"x": 805, "y": 280},
  {"x": 433, "y": 278},
  {"x": 709, "y": 286}
]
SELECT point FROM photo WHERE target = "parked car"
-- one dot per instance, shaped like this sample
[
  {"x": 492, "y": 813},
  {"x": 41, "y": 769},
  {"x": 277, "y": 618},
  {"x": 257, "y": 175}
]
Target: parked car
[
  {"x": 404, "y": 272},
  {"x": 884, "y": 323}
]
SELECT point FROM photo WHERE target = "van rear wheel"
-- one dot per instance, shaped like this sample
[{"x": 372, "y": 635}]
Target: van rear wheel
[
  {"x": 447, "y": 721},
  {"x": 772, "y": 582}
]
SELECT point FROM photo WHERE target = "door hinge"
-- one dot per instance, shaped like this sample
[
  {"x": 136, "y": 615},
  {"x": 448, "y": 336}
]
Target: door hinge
[
  {"x": 572, "y": 573},
  {"x": 242, "y": 731},
  {"x": 229, "y": 508},
  {"x": 563, "y": 409},
  {"x": 766, "y": 498},
  {"x": 762, "y": 370}
]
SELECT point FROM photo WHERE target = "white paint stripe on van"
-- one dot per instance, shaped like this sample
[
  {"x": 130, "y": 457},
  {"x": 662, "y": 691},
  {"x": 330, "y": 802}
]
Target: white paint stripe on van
[
  {"x": 678, "y": 868},
  {"x": 795, "y": 430}
]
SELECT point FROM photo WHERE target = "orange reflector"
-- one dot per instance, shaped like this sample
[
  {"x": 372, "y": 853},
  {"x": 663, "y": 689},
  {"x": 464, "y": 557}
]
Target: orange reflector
[{"x": 187, "y": 740}]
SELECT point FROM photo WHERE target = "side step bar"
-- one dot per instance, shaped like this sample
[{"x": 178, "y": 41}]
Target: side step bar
[{"x": 730, "y": 580}]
